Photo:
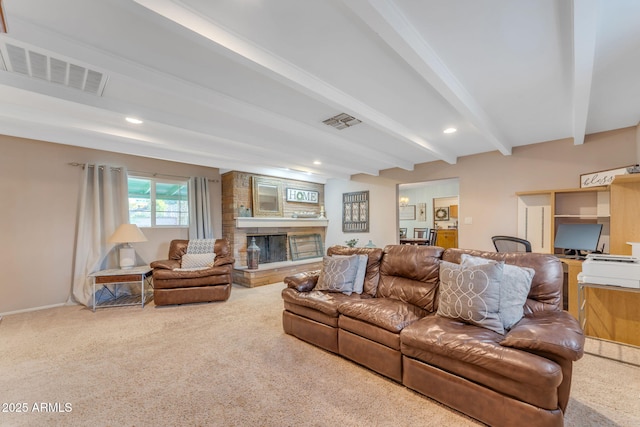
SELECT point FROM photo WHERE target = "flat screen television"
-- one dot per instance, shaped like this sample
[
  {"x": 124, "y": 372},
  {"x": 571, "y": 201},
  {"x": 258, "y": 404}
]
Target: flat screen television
[{"x": 575, "y": 238}]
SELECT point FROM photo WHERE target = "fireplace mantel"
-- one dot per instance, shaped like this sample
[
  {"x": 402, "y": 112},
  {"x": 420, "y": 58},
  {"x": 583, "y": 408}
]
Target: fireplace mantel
[{"x": 257, "y": 222}]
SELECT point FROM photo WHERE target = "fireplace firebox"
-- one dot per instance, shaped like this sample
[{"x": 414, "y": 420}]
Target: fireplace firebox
[{"x": 273, "y": 247}]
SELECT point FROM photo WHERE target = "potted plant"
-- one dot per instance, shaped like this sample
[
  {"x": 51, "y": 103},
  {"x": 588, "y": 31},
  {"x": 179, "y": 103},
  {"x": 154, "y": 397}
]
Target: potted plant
[{"x": 351, "y": 243}]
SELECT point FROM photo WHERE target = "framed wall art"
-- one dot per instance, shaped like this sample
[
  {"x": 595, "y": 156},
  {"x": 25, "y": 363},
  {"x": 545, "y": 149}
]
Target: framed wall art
[
  {"x": 441, "y": 213},
  {"x": 355, "y": 212},
  {"x": 407, "y": 212},
  {"x": 267, "y": 197},
  {"x": 422, "y": 212}
]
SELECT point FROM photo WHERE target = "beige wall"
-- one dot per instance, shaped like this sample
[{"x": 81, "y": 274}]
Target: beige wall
[
  {"x": 38, "y": 217},
  {"x": 382, "y": 210},
  {"x": 40, "y": 194},
  {"x": 488, "y": 182}
]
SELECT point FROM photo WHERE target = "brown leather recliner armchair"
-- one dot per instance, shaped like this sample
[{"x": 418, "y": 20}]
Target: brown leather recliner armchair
[{"x": 188, "y": 286}]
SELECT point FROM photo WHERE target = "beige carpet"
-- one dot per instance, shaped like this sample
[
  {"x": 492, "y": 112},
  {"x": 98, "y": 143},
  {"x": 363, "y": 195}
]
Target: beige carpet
[{"x": 229, "y": 364}]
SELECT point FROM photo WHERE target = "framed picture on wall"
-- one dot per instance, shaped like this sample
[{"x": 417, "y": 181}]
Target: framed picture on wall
[
  {"x": 441, "y": 213},
  {"x": 355, "y": 212},
  {"x": 422, "y": 212},
  {"x": 407, "y": 212}
]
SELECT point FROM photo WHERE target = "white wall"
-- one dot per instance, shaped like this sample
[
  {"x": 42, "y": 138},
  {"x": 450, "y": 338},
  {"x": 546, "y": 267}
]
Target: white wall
[
  {"x": 382, "y": 211},
  {"x": 39, "y": 210}
]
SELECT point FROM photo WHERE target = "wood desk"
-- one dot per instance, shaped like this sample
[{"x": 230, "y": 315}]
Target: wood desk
[
  {"x": 574, "y": 267},
  {"x": 610, "y": 313}
]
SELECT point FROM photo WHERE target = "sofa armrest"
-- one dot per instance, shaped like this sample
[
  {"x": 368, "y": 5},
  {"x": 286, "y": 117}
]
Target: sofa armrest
[
  {"x": 165, "y": 264},
  {"x": 550, "y": 332},
  {"x": 303, "y": 282},
  {"x": 223, "y": 260}
]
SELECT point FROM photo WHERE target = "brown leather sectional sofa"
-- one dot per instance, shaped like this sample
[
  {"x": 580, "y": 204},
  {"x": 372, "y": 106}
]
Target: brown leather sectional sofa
[{"x": 521, "y": 377}]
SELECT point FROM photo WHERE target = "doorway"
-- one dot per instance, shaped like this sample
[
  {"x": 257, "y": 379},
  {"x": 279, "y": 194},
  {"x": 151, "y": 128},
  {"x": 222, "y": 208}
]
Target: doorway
[{"x": 429, "y": 205}]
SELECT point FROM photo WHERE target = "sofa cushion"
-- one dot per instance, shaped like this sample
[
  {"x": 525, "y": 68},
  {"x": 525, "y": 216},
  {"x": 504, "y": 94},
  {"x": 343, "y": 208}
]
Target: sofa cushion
[
  {"x": 325, "y": 302},
  {"x": 471, "y": 294},
  {"x": 409, "y": 273},
  {"x": 167, "y": 279},
  {"x": 338, "y": 274},
  {"x": 514, "y": 288},
  {"x": 387, "y": 313},
  {"x": 475, "y": 353}
]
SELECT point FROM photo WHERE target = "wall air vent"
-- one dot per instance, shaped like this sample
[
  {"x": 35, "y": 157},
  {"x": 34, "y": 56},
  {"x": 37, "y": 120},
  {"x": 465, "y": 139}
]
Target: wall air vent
[
  {"x": 342, "y": 121},
  {"x": 40, "y": 65}
]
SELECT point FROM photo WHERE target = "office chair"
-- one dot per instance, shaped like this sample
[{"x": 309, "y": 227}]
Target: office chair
[
  {"x": 511, "y": 244},
  {"x": 419, "y": 233}
]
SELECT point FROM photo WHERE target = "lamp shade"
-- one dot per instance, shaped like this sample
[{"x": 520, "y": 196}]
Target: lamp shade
[{"x": 127, "y": 233}]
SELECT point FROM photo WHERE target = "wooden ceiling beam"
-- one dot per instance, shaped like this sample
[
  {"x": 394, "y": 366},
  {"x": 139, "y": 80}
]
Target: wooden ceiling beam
[{"x": 3, "y": 20}]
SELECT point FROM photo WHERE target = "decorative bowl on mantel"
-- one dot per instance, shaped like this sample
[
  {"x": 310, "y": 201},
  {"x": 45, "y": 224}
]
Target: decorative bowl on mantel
[{"x": 304, "y": 215}]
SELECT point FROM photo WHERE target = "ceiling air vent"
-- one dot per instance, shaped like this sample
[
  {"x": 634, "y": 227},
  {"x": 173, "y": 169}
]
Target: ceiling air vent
[
  {"x": 42, "y": 66},
  {"x": 342, "y": 121}
]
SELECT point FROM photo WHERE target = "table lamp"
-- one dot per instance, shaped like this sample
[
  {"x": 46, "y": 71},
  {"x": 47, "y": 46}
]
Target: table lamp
[{"x": 127, "y": 234}]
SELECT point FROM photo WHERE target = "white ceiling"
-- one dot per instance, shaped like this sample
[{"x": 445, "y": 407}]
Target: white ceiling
[{"x": 246, "y": 84}]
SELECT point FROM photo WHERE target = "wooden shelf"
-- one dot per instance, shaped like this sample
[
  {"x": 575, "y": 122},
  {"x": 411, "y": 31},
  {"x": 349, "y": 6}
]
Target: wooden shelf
[
  {"x": 540, "y": 212},
  {"x": 578, "y": 216},
  {"x": 257, "y": 222},
  {"x": 563, "y": 190}
]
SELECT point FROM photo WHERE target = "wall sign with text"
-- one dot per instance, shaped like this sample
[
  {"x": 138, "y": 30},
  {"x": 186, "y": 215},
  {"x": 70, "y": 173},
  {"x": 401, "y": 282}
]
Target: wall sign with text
[
  {"x": 596, "y": 179},
  {"x": 303, "y": 196}
]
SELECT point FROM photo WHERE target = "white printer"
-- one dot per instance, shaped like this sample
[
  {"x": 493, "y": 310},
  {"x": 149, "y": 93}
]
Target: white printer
[{"x": 614, "y": 270}]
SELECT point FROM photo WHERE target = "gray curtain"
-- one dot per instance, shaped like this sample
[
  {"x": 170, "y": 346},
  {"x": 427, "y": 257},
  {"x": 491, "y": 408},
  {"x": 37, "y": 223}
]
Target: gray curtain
[
  {"x": 103, "y": 206},
  {"x": 199, "y": 209}
]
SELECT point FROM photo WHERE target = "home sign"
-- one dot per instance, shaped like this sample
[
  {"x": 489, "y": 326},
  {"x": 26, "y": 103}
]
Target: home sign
[{"x": 303, "y": 196}]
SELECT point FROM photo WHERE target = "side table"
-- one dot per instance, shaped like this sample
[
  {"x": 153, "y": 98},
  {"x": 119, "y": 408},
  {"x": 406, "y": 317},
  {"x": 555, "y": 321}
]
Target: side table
[{"x": 117, "y": 277}]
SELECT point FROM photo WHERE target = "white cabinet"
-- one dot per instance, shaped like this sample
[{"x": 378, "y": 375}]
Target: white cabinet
[{"x": 534, "y": 221}]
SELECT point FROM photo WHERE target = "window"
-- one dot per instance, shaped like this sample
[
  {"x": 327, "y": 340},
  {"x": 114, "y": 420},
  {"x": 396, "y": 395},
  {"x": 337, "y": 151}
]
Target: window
[{"x": 158, "y": 202}]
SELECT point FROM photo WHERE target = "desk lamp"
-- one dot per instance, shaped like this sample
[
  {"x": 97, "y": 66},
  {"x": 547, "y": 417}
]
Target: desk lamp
[{"x": 127, "y": 234}]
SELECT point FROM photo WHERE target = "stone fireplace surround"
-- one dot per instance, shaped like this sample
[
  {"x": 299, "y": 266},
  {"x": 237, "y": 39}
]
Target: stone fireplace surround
[{"x": 236, "y": 192}]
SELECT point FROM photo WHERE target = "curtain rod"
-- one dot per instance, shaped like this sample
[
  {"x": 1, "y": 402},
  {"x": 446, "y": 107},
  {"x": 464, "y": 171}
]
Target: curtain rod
[{"x": 153, "y": 174}]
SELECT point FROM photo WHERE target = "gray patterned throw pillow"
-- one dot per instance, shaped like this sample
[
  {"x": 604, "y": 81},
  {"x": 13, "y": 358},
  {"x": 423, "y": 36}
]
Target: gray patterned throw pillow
[
  {"x": 514, "y": 289},
  {"x": 472, "y": 294},
  {"x": 338, "y": 274}
]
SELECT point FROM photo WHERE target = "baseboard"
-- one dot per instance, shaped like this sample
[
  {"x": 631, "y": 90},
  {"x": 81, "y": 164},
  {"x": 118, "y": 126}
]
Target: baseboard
[
  {"x": 621, "y": 352},
  {"x": 26, "y": 310}
]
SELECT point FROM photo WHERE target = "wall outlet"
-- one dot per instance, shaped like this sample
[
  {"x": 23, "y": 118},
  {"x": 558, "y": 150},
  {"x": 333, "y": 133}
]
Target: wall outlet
[{"x": 468, "y": 220}]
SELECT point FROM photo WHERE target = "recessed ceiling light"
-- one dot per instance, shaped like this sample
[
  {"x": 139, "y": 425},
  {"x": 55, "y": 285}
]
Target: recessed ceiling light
[
  {"x": 450, "y": 130},
  {"x": 133, "y": 120},
  {"x": 317, "y": 162}
]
